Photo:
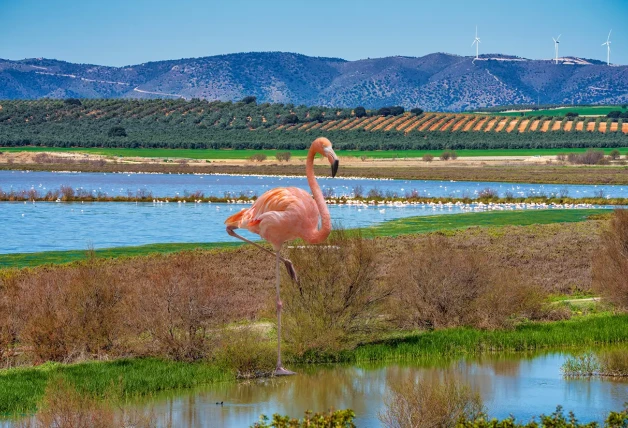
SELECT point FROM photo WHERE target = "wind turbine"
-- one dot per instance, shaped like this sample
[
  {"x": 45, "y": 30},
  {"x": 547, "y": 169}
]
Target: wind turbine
[
  {"x": 476, "y": 42},
  {"x": 556, "y": 42},
  {"x": 608, "y": 48}
]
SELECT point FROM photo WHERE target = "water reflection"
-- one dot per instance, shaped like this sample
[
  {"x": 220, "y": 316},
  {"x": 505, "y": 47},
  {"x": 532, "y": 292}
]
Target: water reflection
[{"x": 524, "y": 386}]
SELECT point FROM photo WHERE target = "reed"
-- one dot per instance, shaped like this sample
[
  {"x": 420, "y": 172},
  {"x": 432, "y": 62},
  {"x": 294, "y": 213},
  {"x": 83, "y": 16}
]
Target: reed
[
  {"x": 576, "y": 333},
  {"x": 22, "y": 389},
  {"x": 607, "y": 362}
]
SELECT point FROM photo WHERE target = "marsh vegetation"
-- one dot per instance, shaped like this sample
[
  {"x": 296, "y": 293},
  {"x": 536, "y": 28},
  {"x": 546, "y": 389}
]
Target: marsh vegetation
[{"x": 359, "y": 300}]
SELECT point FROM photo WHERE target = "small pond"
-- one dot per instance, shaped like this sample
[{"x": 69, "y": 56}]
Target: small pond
[{"x": 524, "y": 386}]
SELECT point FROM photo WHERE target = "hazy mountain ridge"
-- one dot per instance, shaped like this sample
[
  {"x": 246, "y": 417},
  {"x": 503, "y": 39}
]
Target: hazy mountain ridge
[{"x": 434, "y": 82}]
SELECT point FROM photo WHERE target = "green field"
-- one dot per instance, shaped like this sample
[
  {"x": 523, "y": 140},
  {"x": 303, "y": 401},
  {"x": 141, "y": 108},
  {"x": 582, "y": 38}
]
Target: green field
[
  {"x": 409, "y": 225},
  {"x": 561, "y": 111},
  {"x": 245, "y": 154}
]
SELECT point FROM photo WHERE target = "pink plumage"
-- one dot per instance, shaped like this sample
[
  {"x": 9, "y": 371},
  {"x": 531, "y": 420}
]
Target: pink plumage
[{"x": 288, "y": 213}]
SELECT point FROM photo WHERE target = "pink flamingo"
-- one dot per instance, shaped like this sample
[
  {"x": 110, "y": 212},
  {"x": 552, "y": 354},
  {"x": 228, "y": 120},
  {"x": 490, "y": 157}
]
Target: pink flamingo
[{"x": 288, "y": 213}]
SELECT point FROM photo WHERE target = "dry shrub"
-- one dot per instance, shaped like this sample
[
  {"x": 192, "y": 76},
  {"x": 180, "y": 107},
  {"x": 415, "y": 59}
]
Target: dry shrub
[
  {"x": 433, "y": 403},
  {"x": 427, "y": 157},
  {"x": 165, "y": 305},
  {"x": 505, "y": 297},
  {"x": 257, "y": 157},
  {"x": 590, "y": 157},
  {"x": 244, "y": 350},
  {"x": 610, "y": 262},
  {"x": 67, "y": 192},
  {"x": 437, "y": 285},
  {"x": 8, "y": 333},
  {"x": 70, "y": 313},
  {"x": 488, "y": 193},
  {"x": 64, "y": 406},
  {"x": 283, "y": 156},
  {"x": 339, "y": 297},
  {"x": 177, "y": 304}
]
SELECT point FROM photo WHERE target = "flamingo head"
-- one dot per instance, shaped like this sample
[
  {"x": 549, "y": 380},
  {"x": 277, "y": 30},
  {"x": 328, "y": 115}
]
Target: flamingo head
[{"x": 323, "y": 146}]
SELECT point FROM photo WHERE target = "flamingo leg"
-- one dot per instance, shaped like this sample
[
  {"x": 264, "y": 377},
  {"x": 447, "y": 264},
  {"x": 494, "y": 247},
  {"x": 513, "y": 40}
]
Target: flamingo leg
[
  {"x": 279, "y": 371},
  {"x": 288, "y": 263}
]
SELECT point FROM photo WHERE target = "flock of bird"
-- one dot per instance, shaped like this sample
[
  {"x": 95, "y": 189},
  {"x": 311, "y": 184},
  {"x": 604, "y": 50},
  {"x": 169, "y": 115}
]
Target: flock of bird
[{"x": 474, "y": 206}]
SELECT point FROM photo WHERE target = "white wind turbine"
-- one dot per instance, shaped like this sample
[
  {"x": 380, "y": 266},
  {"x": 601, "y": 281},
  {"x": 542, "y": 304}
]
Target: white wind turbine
[
  {"x": 476, "y": 42},
  {"x": 608, "y": 48},
  {"x": 556, "y": 42}
]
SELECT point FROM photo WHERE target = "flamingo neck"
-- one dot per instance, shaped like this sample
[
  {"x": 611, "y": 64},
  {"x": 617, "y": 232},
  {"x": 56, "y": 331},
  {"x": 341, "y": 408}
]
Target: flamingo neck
[{"x": 317, "y": 235}]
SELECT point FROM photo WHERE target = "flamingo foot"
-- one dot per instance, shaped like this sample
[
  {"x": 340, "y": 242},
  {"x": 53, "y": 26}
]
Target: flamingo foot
[{"x": 280, "y": 371}]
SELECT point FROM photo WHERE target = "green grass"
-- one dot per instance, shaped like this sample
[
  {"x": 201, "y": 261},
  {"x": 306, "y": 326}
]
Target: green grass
[
  {"x": 245, "y": 154},
  {"x": 21, "y": 389},
  {"x": 484, "y": 219},
  {"x": 57, "y": 257},
  {"x": 408, "y": 225},
  {"x": 583, "y": 111},
  {"x": 577, "y": 333}
]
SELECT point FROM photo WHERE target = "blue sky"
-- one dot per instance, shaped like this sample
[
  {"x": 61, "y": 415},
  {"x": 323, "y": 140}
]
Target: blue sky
[{"x": 123, "y": 32}]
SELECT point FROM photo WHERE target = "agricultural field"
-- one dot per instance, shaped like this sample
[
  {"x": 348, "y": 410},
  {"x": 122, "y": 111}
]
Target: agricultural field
[
  {"x": 230, "y": 154},
  {"x": 562, "y": 111},
  {"x": 197, "y": 124}
]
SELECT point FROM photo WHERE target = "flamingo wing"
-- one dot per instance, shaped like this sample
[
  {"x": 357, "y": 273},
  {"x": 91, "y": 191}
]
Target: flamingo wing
[{"x": 275, "y": 201}]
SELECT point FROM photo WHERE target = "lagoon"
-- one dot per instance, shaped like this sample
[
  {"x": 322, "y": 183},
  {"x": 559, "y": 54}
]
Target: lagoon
[{"x": 171, "y": 185}]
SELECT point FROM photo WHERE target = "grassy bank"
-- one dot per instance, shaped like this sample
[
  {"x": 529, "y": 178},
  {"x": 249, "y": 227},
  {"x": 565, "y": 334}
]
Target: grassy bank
[
  {"x": 482, "y": 219},
  {"x": 408, "y": 225},
  {"x": 541, "y": 174},
  {"x": 57, "y": 257},
  {"x": 576, "y": 333},
  {"x": 20, "y": 389},
  {"x": 221, "y": 154}
]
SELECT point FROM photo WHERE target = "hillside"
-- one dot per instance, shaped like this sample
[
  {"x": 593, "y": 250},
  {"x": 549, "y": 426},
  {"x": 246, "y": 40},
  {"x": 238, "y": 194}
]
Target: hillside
[
  {"x": 202, "y": 124},
  {"x": 437, "y": 82}
]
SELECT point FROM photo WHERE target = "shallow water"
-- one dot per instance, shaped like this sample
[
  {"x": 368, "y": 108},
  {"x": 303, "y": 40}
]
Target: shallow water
[
  {"x": 49, "y": 226},
  {"x": 162, "y": 185},
  {"x": 521, "y": 386}
]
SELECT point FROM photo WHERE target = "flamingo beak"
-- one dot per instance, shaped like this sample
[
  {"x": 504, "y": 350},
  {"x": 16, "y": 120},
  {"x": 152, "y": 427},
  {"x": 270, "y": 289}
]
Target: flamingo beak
[
  {"x": 333, "y": 160},
  {"x": 334, "y": 168}
]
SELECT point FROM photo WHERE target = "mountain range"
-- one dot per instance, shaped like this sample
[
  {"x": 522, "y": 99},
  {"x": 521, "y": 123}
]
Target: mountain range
[{"x": 436, "y": 82}]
